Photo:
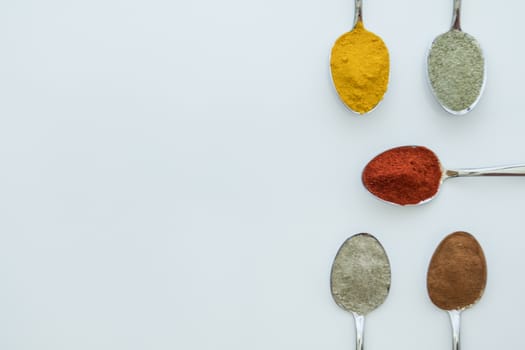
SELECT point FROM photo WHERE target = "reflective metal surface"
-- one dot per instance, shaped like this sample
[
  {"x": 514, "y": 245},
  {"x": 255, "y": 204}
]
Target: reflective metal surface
[
  {"x": 455, "y": 322},
  {"x": 506, "y": 170}
]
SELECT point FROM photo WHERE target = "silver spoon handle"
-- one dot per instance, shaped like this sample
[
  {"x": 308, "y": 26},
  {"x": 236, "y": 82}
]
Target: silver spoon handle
[
  {"x": 456, "y": 15},
  {"x": 509, "y": 170},
  {"x": 358, "y": 16},
  {"x": 359, "y": 330},
  {"x": 455, "y": 321}
]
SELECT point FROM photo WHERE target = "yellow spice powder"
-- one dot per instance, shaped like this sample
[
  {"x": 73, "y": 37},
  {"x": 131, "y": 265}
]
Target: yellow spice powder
[{"x": 360, "y": 67}]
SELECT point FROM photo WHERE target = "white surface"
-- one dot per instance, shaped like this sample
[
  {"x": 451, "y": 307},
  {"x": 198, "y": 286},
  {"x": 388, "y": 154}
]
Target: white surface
[{"x": 180, "y": 175}]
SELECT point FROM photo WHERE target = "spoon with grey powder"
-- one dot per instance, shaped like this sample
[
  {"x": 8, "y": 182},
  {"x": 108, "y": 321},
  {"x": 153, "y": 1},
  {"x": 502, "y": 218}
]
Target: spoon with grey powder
[
  {"x": 456, "y": 68},
  {"x": 360, "y": 278}
]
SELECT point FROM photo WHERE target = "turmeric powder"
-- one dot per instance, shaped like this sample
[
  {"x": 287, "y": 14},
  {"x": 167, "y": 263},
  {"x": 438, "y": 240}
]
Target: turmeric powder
[{"x": 360, "y": 67}]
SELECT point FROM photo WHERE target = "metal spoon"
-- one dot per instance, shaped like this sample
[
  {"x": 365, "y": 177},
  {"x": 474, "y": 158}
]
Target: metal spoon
[
  {"x": 360, "y": 278},
  {"x": 395, "y": 175},
  {"x": 456, "y": 68},
  {"x": 457, "y": 276},
  {"x": 360, "y": 56}
]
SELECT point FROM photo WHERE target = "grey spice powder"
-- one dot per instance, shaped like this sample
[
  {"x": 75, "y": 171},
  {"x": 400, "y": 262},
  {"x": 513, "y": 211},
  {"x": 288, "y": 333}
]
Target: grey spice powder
[
  {"x": 360, "y": 278},
  {"x": 456, "y": 70}
]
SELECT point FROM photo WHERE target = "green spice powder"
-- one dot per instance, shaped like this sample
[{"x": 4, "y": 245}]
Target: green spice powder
[{"x": 456, "y": 69}]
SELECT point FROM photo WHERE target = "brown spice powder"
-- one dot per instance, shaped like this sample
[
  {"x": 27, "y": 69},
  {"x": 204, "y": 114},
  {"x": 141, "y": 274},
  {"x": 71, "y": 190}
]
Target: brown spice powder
[{"x": 457, "y": 273}]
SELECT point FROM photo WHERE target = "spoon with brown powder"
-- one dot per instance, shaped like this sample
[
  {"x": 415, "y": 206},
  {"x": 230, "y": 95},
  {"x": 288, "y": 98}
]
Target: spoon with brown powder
[
  {"x": 412, "y": 175},
  {"x": 360, "y": 278},
  {"x": 456, "y": 277}
]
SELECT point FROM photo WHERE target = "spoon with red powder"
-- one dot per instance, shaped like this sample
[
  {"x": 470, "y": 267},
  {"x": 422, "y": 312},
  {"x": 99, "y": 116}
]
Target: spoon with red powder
[{"x": 412, "y": 175}]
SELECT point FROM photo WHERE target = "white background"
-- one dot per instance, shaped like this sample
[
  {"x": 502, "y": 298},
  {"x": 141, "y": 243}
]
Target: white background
[{"x": 180, "y": 174}]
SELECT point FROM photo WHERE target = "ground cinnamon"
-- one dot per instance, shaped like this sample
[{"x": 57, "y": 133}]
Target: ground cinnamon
[
  {"x": 404, "y": 175},
  {"x": 457, "y": 273}
]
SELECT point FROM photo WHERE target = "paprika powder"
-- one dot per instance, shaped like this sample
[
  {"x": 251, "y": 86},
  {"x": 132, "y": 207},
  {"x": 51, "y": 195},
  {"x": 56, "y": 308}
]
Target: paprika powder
[{"x": 406, "y": 175}]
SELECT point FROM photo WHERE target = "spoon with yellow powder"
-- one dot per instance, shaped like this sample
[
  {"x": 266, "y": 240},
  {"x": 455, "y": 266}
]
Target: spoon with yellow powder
[
  {"x": 456, "y": 68},
  {"x": 360, "y": 66}
]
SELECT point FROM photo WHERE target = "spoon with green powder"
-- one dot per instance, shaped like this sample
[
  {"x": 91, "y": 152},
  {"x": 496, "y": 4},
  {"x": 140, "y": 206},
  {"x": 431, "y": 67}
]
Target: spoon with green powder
[
  {"x": 360, "y": 278},
  {"x": 456, "y": 277},
  {"x": 360, "y": 66},
  {"x": 456, "y": 68}
]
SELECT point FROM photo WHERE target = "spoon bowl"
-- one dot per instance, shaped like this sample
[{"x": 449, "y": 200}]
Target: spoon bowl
[
  {"x": 360, "y": 278},
  {"x": 456, "y": 68},
  {"x": 456, "y": 277},
  {"x": 413, "y": 175},
  {"x": 360, "y": 66}
]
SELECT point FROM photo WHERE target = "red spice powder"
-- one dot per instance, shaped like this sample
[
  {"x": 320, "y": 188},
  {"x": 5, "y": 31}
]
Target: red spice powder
[{"x": 403, "y": 175}]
